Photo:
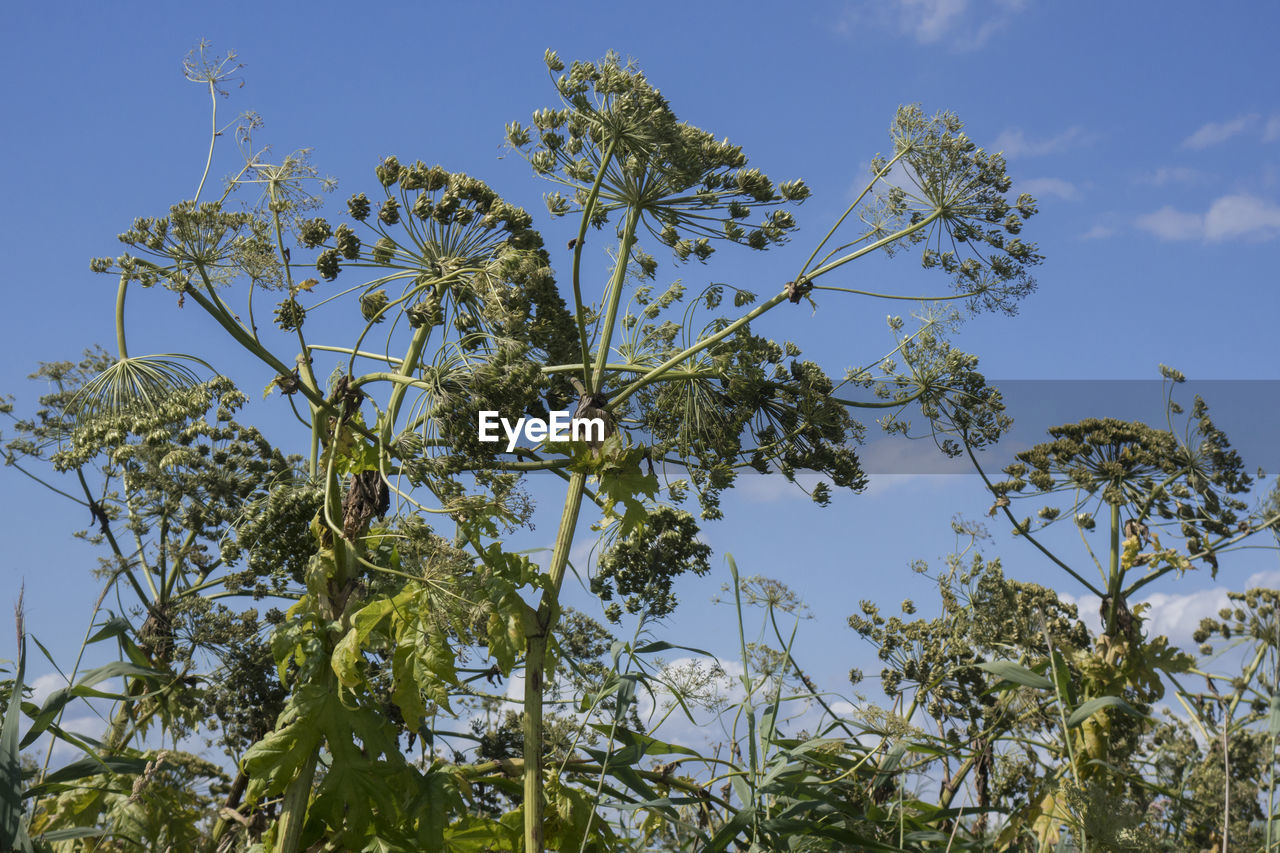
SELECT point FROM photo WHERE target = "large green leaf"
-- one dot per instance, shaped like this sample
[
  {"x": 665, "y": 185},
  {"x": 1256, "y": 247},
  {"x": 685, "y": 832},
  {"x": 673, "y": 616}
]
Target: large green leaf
[
  {"x": 1007, "y": 670},
  {"x": 84, "y": 689},
  {"x": 90, "y": 765},
  {"x": 273, "y": 762},
  {"x": 1093, "y": 706},
  {"x": 637, "y": 745}
]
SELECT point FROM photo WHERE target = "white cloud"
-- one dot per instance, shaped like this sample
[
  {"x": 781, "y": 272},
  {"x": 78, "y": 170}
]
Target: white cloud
[
  {"x": 1098, "y": 232},
  {"x": 1231, "y": 217},
  {"x": 88, "y": 725},
  {"x": 1217, "y": 132},
  {"x": 957, "y": 24},
  {"x": 45, "y": 684},
  {"x": 1271, "y": 132},
  {"x": 1241, "y": 216},
  {"x": 1015, "y": 143},
  {"x": 1050, "y": 186},
  {"x": 1174, "y": 615},
  {"x": 929, "y": 20},
  {"x": 1169, "y": 224},
  {"x": 1172, "y": 175}
]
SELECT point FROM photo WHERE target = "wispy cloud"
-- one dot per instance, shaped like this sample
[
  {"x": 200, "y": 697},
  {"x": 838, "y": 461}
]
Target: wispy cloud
[
  {"x": 1169, "y": 224},
  {"x": 1166, "y": 175},
  {"x": 930, "y": 20},
  {"x": 1217, "y": 132},
  {"x": 1271, "y": 132},
  {"x": 44, "y": 685},
  {"x": 1014, "y": 142},
  {"x": 1236, "y": 216},
  {"x": 1098, "y": 232},
  {"x": 958, "y": 24},
  {"x": 1041, "y": 187},
  {"x": 1174, "y": 615},
  {"x": 1232, "y": 217}
]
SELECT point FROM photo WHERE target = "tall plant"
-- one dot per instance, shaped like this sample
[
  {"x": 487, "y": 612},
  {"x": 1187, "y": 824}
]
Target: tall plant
[
  {"x": 457, "y": 289},
  {"x": 1143, "y": 488}
]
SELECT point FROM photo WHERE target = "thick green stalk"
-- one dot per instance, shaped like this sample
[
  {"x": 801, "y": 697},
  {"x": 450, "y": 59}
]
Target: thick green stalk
[
  {"x": 534, "y": 803},
  {"x": 615, "y": 298},
  {"x": 1115, "y": 581},
  {"x": 293, "y": 809},
  {"x": 402, "y": 379},
  {"x": 120, "y": 292},
  {"x": 539, "y": 625},
  {"x": 1271, "y": 761},
  {"x": 346, "y": 559}
]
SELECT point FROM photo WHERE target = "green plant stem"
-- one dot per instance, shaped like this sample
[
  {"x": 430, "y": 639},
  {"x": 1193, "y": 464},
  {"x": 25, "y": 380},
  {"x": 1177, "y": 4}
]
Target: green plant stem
[
  {"x": 587, "y": 210},
  {"x": 887, "y": 240},
  {"x": 232, "y": 801},
  {"x": 949, "y": 297},
  {"x": 293, "y": 809},
  {"x": 402, "y": 380},
  {"x": 1061, "y": 703},
  {"x": 241, "y": 337},
  {"x": 760, "y": 309},
  {"x": 213, "y": 137},
  {"x": 851, "y": 208},
  {"x": 540, "y": 623},
  {"x": 349, "y": 351},
  {"x": 531, "y": 727},
  {"x": 1027, "y": 533},
  {"x": 120, "y": 294},
  {"x": 748, "y": 705},
  {"x": 1115, "y": 580}
]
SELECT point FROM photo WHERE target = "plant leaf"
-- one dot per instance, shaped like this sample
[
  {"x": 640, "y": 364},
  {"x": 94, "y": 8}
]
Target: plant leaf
[
  {"x": 1093, "y": 706},
  {"x": 1007, "y": 670}
]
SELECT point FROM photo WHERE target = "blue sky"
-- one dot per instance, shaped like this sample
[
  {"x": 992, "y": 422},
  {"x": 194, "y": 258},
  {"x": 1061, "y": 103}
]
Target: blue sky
[{"x": 1149, "y": 132}]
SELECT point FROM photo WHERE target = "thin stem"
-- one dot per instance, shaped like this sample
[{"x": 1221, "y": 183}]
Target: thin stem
[
  {"x": 748, "y": 706},
  {"x": 1226, "y": 784},
  {"x": 772, "y": 303},
  {"x": 75, "y": 670},
  {"x": 349, "y": 351},
  {"x": 587, "y": 210},
  {"x": 1026, "y": 534},
  {"x": 213, "y": 137},
  {"x": 879, "y": 244},
  {"x": 875, "y": 295},
  {"x": 850, "y": 209}
]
